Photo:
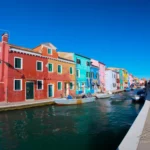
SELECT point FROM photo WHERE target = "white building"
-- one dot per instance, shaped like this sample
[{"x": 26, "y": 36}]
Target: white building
[{"x": 110, "y": 80}]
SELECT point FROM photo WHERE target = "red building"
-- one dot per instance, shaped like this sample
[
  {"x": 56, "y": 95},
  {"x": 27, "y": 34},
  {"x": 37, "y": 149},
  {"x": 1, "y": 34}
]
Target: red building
[{"x": 35, "y": 74}]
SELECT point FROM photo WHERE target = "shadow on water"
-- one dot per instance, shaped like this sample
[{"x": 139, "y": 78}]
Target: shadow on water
[{"x": 98, "y": 125}]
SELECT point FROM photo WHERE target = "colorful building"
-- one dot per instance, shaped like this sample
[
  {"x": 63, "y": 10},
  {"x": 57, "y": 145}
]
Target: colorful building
[
  {"x": 131, "y": 80},
  {"x": 121, "y": 76},
  {"x": 125, "y": 79},
  {"x": 83, "y": 65},
  {"x": 102, "y": 68},
  {"x": 34, "y": 74},
  {"x": 110, "y": 80}
]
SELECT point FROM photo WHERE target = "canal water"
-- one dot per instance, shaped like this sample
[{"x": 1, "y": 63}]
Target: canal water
[{"x": 99, "y": 125}]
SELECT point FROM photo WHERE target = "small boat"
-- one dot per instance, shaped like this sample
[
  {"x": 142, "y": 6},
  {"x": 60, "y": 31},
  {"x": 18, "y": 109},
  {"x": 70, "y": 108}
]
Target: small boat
[
  {"x": 65, "y": 101},
  {"x": 103, "y": 95},
  {"x": 127, "y": 89}
]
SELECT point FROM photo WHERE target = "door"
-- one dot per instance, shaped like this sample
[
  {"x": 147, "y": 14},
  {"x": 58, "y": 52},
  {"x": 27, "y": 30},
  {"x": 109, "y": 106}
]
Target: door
[
  {"x": 66, "y": 89},
  {"x": 29, "y": 90},
  {"x": 50, "y": 90}
]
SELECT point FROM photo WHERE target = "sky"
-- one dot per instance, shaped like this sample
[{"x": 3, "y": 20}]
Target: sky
[{"x": 115, "y": 32}]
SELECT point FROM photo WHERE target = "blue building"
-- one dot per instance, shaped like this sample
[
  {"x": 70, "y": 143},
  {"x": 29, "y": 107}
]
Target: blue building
[
  {"x": 94, "y": 79},
  {"x": 83, "y": 64}
]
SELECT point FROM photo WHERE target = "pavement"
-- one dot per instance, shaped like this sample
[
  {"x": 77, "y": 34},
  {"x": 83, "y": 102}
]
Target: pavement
[{"x": 144, "y": 142}]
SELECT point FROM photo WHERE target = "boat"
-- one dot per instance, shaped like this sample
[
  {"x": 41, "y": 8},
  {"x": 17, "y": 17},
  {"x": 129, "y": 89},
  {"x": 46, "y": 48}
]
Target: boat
[
  {"x": 103, "y": 95},
  {"x": 139, "y": 96},
  {"x": 65, "y": 101},
  {"x": 127, "y": 89}
]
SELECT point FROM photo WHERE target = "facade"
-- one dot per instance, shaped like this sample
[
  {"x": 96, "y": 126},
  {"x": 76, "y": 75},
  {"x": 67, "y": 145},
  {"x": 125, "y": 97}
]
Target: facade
[
  {"x": 102, "y": 68},
  {"x": 131, "y": 79},
  {"x": 125, "y": 79},
  {"x": 34, "y": 74},
  {"x": 110, "y": 80},
  {"x": 83, "y": 65},
  {"x": 121, "y": 76},
  {"x": 118, "y": 80},
  {"x": 94, "y": 76}
]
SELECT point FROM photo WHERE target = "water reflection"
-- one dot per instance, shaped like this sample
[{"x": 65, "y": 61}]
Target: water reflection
[{"x": 98, "y": 125}]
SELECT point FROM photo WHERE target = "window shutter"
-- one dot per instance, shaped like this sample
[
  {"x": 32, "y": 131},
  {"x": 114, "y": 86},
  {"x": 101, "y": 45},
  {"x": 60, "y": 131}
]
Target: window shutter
[
  {"x": 70, "y": 70},
  {"x": 49, "y": 67}
]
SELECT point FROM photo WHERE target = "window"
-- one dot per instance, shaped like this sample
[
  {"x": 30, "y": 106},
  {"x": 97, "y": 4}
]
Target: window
[
  {"x": 17, "y": 84},
  {"x": 40, "y": 84},
  {"x": 78, "y": 73},
  {"x": 78, "y": 61},
  {"x": 50, "y": 67},
  {"x": 92, "y": 74},
  {"x": 59, "y": 86},
  {"x": 71, "y": 86},
  {"x": 39, "y": 66},
  {"x": 59, "y": 69},
  {"x": 88, "y": 63},
  {"x": 18, "y": 63},
  {"x": 49, "y": 51},
  {"x": 97, "y": 75},
  {"x": 78, "y": 86},
  {"x": 71, "y": 70},
  {"x": 88, "y": 74}
]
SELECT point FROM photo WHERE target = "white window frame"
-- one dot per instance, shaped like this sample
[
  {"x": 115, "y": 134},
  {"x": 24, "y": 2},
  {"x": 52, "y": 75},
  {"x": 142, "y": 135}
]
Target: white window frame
[
  {"x": 42, "y": 84},
  {"x": 78, "y": 73},
  {"x": 20, "y": 85},
  {"x": 52, "y": 67},
  {"x": 72, "y": 84},
  {"x": 21, "y": 62},
  {"x": 61, "y": 69},
  {"x": 51, "y": 51},
  {"x": 72, "y": 71},
  {"x": 42, "y": 65},
  {"x": 61, "y": 86}
]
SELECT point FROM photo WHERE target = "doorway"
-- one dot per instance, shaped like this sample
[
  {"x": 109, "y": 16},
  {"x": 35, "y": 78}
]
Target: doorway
[
  {"x": 66, "y": 89},
  {"x": 50, "y": 90},
  {"x": 29, "y": 90}
]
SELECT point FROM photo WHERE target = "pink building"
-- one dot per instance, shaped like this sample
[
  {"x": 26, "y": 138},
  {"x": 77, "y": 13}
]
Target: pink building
[
  {"x": 101, "y": 67},
  {"x": 102, "y": 75},
  {"x": 118, "y": 80},
  {"x": 131, "y": 79}
]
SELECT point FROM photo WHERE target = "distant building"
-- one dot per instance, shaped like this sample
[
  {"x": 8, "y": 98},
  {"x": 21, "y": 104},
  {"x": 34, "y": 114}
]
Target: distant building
[
  {"x": 110, "y": 80},
  {"x": 121, "y": 76},
  {"x": 102, "y": 69}
]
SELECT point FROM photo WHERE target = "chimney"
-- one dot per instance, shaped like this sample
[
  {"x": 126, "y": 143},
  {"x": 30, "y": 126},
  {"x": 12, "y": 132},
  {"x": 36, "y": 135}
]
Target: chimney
[{"x": 5, "y": 37}]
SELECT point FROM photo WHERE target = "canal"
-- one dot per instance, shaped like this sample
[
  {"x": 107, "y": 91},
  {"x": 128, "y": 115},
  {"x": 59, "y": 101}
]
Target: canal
[{"x": 99, "y": 125}]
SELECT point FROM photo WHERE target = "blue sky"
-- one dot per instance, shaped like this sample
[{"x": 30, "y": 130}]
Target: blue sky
[{"x": 116, "y": 32}]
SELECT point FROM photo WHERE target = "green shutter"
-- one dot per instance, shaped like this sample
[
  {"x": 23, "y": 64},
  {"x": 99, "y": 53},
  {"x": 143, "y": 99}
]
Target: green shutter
[
  {"x": 71, "y": 71},
  {"x": 39, "y": 66},
  {"x": 71, "y": 85},
  {"x": 50, "y": 68},
  {"x": 17, "y": 85},
  {"x": 17, "y": 63},
  {"x": 59, "y": 69},
  {"x": 77, "y": 73},
  {"x": 59, "y": 85},
  {"x": 87, "y": 74},
  {"x": 49, "y": 51}
]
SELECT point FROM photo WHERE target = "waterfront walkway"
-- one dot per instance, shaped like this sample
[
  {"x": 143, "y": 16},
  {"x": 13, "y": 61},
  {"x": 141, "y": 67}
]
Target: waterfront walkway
[
  {"x": 144, "y": 142},
  {"x": 27, "y": 104},
  {"x": 138, "y": 136}
]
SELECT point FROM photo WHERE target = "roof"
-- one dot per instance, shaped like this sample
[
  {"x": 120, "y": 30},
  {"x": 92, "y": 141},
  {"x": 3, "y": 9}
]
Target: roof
[
  {"x": 22, "y": 48},
  {"x": 65, "y": 59},
  {"x": 82, "y": 56},
  {"x": 102, "y": 63},
  {"x": 94, "y": 66}
]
